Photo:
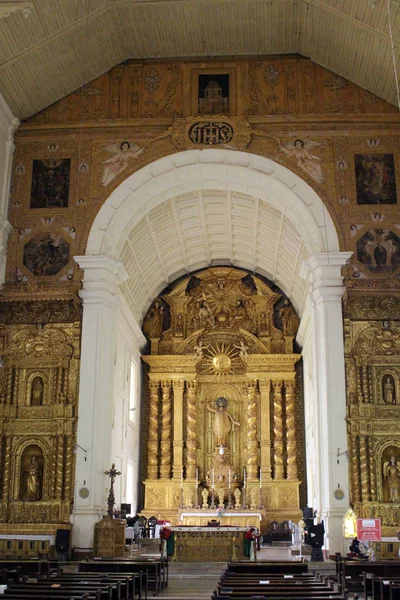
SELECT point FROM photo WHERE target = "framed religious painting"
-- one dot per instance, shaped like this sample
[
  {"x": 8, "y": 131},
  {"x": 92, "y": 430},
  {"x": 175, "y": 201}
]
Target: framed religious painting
[{"x": 375, "y": 179}]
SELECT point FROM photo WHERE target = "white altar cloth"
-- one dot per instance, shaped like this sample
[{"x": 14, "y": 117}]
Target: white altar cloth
[{"x": 222, "y": 515}]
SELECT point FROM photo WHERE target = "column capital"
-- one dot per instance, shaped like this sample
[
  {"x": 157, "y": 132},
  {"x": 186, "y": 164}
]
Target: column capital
[
  {"x": 322, "y": 271},
  {"x": 324, "y": 268},
  {"x": 102, "y": 275}
]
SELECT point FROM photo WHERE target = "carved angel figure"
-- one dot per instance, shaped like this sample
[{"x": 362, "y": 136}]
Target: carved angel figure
[
  {"x": 198, "y": 350},
  {"x": 300, "y": 151},
  {"x": 242, "y": 347},
  {"x": 391, "y": 471},
  {"x": 119, "y": 161}
]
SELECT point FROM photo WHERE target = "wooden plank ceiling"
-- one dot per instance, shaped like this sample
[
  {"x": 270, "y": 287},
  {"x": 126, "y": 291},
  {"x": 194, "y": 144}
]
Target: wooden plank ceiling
[{"x": 64, "y": 44}]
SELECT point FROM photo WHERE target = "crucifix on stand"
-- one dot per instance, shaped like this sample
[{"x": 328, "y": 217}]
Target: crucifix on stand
[{"x": 112, "y": 473}]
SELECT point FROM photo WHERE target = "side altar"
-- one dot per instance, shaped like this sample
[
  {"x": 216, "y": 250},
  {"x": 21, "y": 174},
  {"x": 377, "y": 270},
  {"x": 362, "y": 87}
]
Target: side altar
[
  {"x": 209, "y": 544},
  {"x": 224, "y": 407}
]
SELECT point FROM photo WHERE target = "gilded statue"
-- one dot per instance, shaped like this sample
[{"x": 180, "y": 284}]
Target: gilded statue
[
  {"x": 391, "y": 471},
  {"x": 33, "y": 480},
  {"x": 389, "y": 395},
  {"x": 198, "y": 350},
  {"x": 242, "y": 347},
  {"x": 289, "y": 319},
  {"x": 205, "y": 314},
  {"x": 37, "y": 392},
  {"x": 223, "y": 422},
  {"x": 156, "y": 320}
]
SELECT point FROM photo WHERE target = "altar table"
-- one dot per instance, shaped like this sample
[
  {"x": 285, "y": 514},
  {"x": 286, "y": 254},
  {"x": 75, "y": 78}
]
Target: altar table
[{"x": 208, "y": 544}]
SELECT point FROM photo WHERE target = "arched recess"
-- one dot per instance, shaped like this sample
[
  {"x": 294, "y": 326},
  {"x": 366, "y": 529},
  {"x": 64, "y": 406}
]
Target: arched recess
[
  {"x": 219, "y": 207},
  {"x": 188, "y": 211}
]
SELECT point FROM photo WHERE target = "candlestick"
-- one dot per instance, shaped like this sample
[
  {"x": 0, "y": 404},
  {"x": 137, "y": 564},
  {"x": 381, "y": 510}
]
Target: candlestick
[
  {"x": 197, "y": 477},
  {"x": 260, "y": 479},
  {"x": 244, "y": 478},
  {"x": 229, "y": 478},
  {"x": 213, "y": 478},
  {"x": 182, "y": 478}
]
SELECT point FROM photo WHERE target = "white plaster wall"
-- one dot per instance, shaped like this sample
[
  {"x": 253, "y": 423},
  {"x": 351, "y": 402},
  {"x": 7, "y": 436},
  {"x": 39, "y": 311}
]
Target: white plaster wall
[
  {"x": 8, "y": 124},
  {"x": 125, "y": 432}
]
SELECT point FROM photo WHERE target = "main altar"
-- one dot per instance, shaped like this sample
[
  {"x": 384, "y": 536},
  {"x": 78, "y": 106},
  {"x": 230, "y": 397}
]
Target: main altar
[
  {"x": 210, "y": 544},
  {"x": 223, "y": 414}
]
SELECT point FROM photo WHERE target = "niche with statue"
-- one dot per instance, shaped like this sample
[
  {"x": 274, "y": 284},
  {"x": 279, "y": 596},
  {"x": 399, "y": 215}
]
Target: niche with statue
[
  {"x": 31, "y": 478},
  {"x": 36, "y": 391},
  {"x": 391, "y": 474},
  {"x": 388, "y": 389}
]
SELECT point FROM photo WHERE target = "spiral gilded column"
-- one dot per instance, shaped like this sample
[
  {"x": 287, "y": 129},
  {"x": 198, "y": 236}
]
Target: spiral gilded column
[
  {"x": 7, "y": 466},
  {"x": 165, "y": 463},
  {"x": 291, "y": 448},
  {"x": 252, "y": 443},
  {"x": 68, "y": 469},
  {"x": 152, "y": 444},
  {"x": 278, "y": 430},
  {"x": 364, "y": 469},
  {"x": 60, "y": 467},
  {"x": 191, "y": 459},
  {"x": 355, "y": 469},
  {"x": 365, "y": 384},
  {"x": 372, "y": 475}
]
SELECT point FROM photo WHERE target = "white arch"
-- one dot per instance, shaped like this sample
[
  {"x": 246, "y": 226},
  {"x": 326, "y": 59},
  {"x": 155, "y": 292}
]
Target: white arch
[
  {"x": 119, "y": 240},
  {"x": 250, "y": 176}
]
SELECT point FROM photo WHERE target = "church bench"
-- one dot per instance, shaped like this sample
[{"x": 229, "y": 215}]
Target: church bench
[
  {"x": 288, "y": 568},
  {"x": 378, "y": 587},
  {"x": 29, "y": 567},
  {"x": 33, "y": 590},
  {"x": 51, "y": 595},
  {"x": 125, "y": 581},
  {"x": 151, "y": 573},
  {"x": 135, "y": 582},
  {"x": 112, "y": 587},
  {"x": 352, "y": 572},
  {"x": 281, "y": 596}
]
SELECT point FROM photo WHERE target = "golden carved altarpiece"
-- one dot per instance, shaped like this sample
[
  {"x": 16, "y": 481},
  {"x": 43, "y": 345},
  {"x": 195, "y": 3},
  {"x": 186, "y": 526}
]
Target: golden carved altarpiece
[
  {"x": 222, "y": 333},
  {"x": 40, "y": 340},
  {"x": 372, "y": 347}
]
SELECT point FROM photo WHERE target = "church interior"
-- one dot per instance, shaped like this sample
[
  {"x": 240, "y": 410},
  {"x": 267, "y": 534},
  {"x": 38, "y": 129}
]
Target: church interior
[{"x": 200, "y": 289}]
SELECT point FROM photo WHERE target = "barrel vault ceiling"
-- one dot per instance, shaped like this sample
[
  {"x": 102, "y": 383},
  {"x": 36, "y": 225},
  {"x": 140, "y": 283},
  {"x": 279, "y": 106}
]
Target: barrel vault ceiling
[{"x": 49, "y": 48}]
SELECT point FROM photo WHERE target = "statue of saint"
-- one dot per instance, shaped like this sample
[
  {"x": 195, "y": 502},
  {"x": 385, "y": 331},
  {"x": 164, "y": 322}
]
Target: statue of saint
[
  {"x": 389, "y": 395},
  {"x": 289, "y": 319},
  {"x": 391, "y": 472},
  {"x": 156, "y": 320},
  {"x": 223, "y": 422},
  {"x": 37, "y": 392},
  {"x": 33, "y": 480}
]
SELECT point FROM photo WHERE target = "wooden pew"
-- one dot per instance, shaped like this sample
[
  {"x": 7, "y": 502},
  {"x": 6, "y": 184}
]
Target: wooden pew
[
  {"x": 352, "y": 573},
  {"x": 156, "y": 570},
  {"x": 33, "y": 590},
  {"x": 11, "y": 595},
  {"x": 126, "y": 581},
  {"x": 288, "y": 568},
  {"x": 29, "y": 567}
]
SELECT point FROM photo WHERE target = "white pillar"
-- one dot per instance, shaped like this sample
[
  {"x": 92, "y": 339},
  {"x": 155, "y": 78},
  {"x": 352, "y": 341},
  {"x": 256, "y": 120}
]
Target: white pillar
[
  {"x": 102, "y": 275},
  {"x": 326, "y": 391},
  {"x": 8, "y": 124}
]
